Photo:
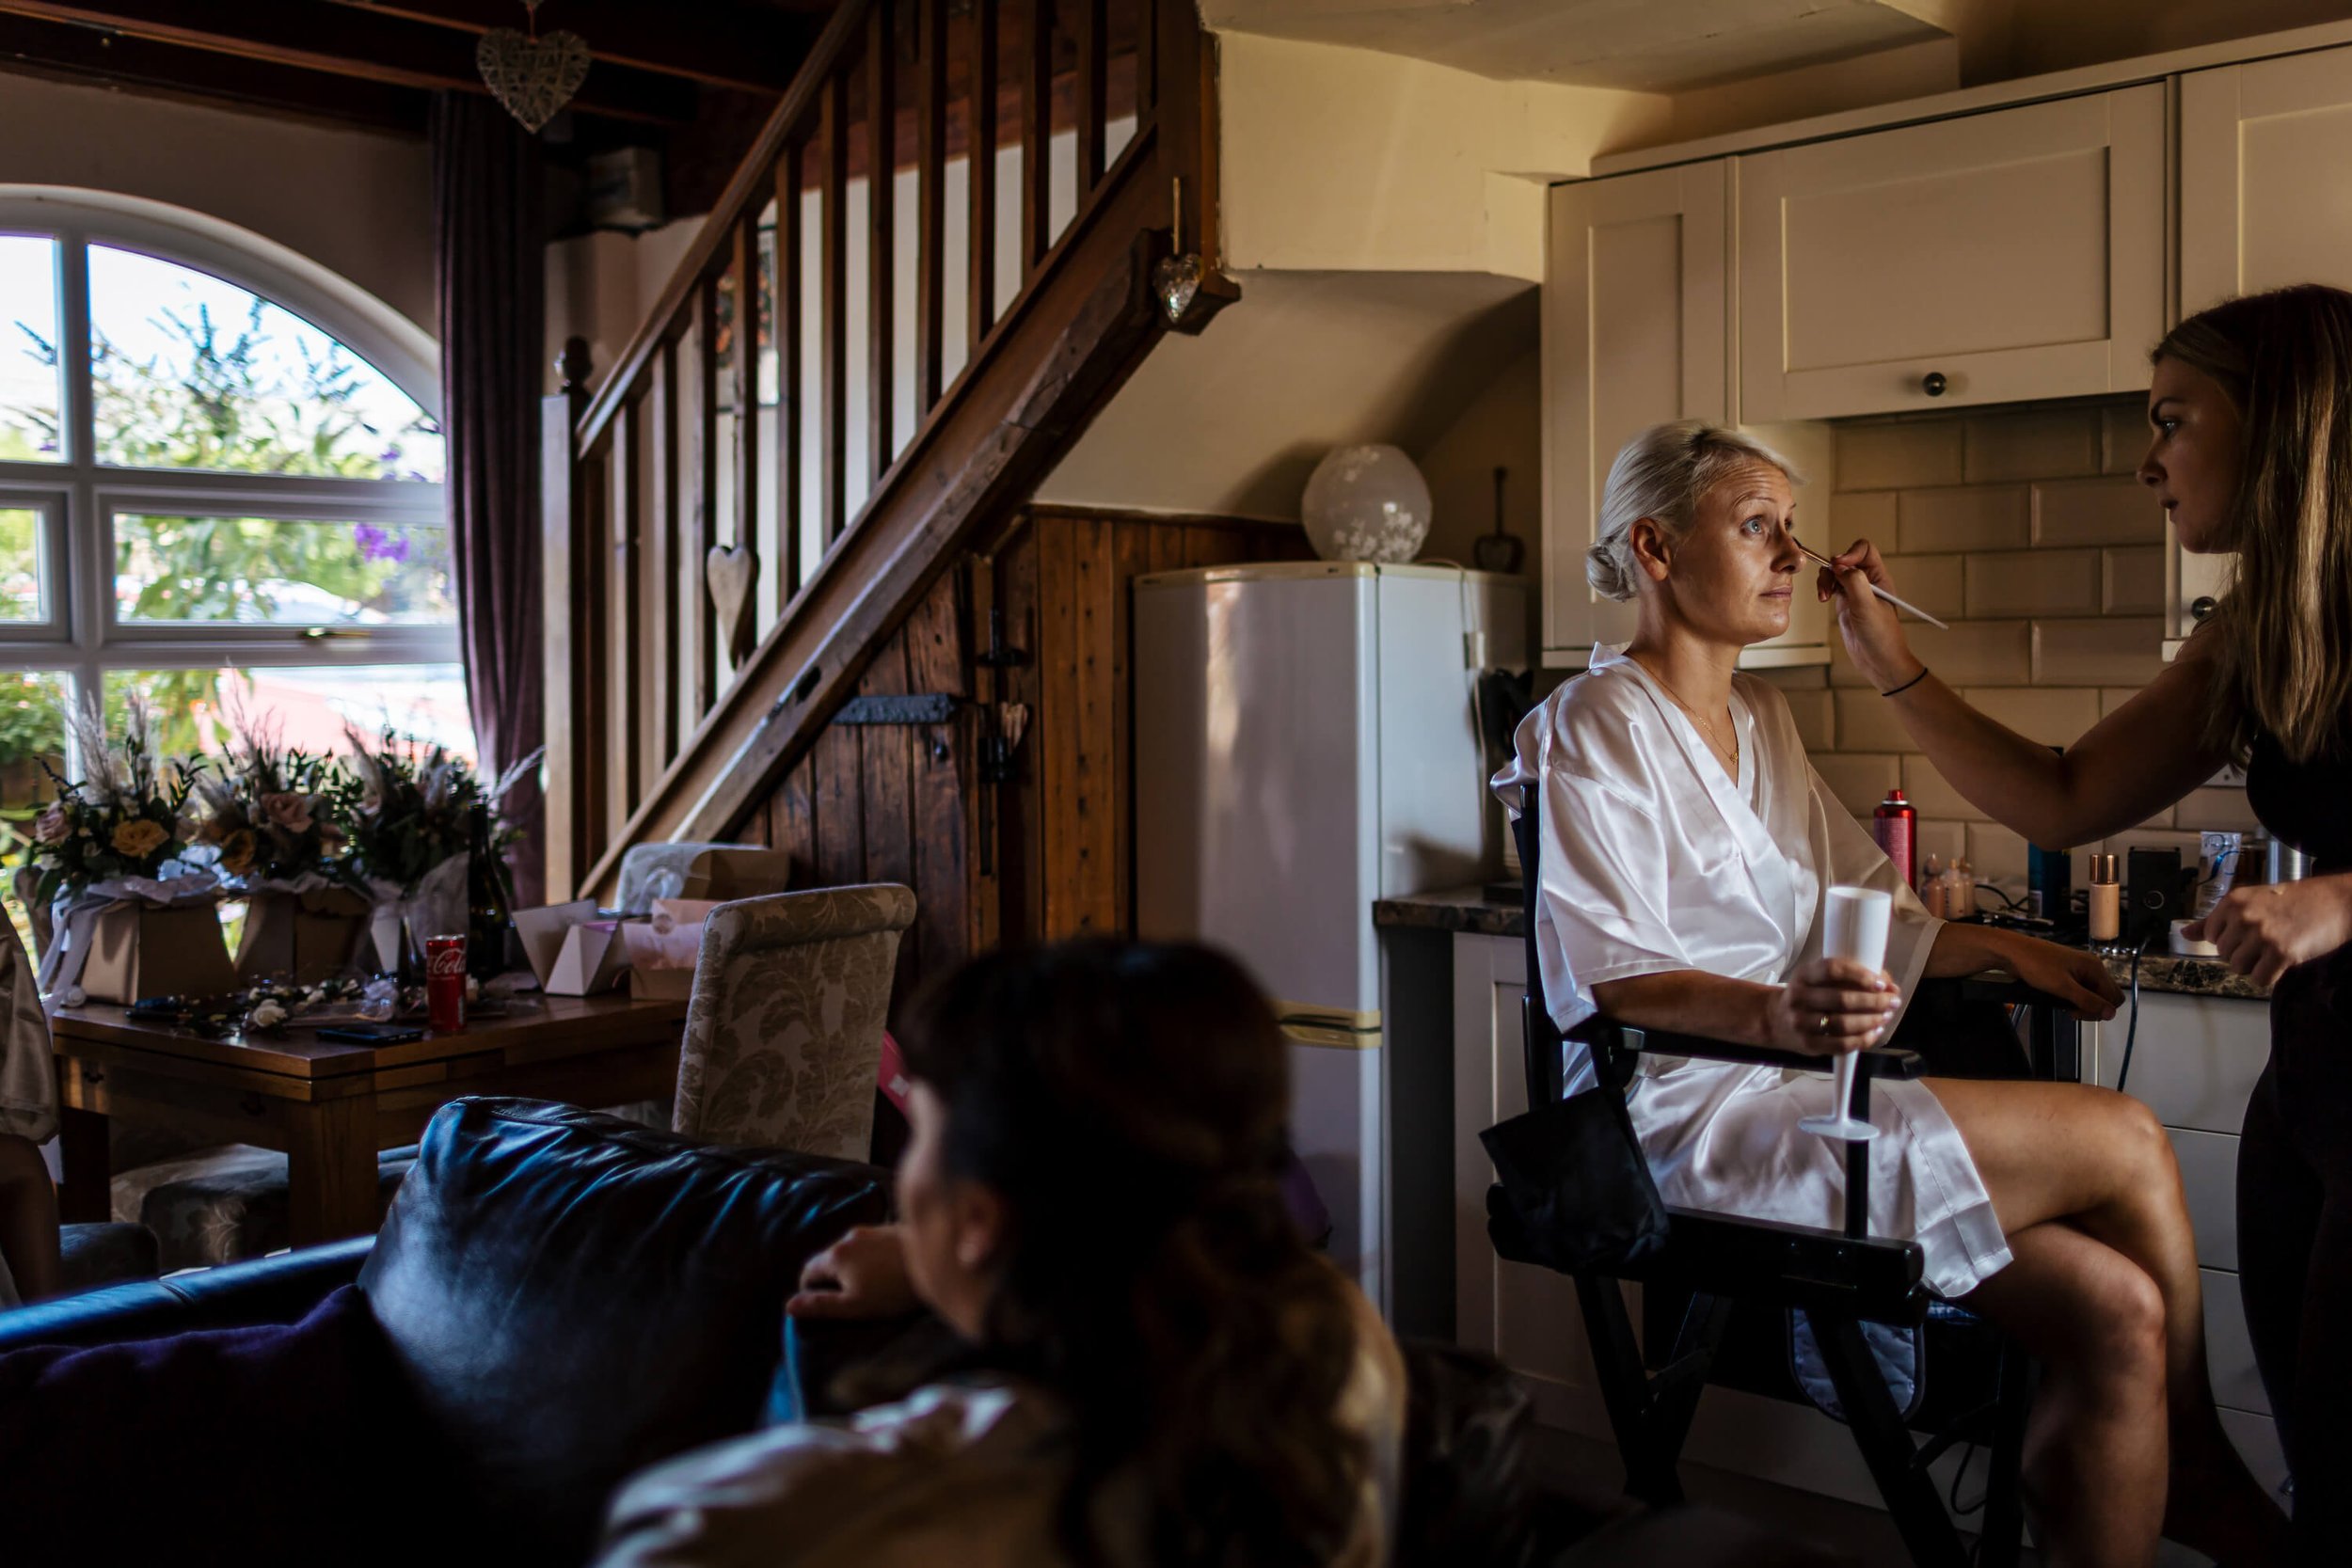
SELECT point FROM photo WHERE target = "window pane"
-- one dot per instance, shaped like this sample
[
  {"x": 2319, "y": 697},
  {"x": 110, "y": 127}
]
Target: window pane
[
  {"x": 28, "y": 349},
  {"x": 191, "y": 372},
  {"x": 32, "y": 733},
  {"x": 274, "y": 570},
  {"x": 20, "y": 564},
  {"x": 306, "y": 706}
]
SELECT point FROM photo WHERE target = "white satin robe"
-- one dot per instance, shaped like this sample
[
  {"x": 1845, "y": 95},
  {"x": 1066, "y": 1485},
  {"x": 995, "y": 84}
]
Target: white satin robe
[{"x": 1654, "y": 861}]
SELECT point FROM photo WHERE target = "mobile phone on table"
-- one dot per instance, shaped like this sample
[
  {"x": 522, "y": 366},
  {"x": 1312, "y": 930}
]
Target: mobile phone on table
[{"x": 370, "y": 1034}]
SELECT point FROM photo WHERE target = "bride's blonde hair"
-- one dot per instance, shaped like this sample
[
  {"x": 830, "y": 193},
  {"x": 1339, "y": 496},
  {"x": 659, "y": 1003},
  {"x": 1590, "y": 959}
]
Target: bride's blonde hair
[
  {"x": 2283, "y": 631},
  {"x": 1663, "y": 474}
]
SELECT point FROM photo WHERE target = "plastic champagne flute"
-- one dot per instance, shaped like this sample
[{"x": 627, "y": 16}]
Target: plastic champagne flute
[{"x": 1854, "y": 926}]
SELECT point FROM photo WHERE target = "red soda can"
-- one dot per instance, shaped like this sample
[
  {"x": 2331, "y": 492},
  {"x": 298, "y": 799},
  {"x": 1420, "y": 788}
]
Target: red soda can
[{"x": 445, "y": 984}]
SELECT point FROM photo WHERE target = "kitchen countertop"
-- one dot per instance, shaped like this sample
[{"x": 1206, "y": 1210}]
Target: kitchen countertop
[{"x": 1470, "y": 909}]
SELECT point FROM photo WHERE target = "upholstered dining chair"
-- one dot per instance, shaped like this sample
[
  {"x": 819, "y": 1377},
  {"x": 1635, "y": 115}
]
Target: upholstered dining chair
[{"x": 785, "y": 1027}]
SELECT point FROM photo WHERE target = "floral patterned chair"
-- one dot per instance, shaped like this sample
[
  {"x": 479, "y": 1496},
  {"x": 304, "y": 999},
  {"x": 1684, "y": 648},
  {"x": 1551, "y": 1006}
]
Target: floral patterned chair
[{"x": 783, "y": 1031}]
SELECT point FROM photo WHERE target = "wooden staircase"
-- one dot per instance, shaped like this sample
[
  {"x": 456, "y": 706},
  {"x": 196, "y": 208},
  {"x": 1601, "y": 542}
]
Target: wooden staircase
[{"x": 839, "y": 392}]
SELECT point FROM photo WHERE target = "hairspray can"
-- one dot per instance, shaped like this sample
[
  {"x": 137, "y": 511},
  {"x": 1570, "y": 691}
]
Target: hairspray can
[
  {"x": 445, "y": 984},
  {"x": 1893, "y": 824}
]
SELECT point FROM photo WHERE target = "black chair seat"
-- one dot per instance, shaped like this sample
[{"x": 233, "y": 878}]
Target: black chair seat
[{"x": 1761, "y": 1260}]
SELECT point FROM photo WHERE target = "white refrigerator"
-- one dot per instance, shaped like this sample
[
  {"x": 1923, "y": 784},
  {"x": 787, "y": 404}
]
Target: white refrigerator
[{"x": 1304, "y": 744}]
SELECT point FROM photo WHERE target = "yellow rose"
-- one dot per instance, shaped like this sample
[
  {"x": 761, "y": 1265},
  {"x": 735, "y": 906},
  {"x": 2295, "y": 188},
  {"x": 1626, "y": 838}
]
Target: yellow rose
[
  {"x": 139, "y": 838},
  {"x": 236, "y": 852}
]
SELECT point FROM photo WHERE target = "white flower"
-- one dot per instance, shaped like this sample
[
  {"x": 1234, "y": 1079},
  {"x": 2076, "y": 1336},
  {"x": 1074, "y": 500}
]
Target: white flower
[{"x": 268, "y": 1015}]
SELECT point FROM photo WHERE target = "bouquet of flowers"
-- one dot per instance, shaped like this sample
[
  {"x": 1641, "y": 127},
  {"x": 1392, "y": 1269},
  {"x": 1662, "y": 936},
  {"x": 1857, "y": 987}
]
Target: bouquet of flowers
[
  {"x": 412, "y": 810},
  {"x": 125, "y": 820},
  {"x": 269, "y": 812}
]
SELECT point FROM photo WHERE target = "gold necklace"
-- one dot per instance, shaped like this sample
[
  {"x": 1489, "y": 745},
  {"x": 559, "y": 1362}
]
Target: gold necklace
[{"x": 1714, "y": 736}]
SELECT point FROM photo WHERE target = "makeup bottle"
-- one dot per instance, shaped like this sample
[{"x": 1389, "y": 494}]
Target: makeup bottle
[
  {"x": 1931, "y": 886},
  {"x": 2106, "y": 899}
]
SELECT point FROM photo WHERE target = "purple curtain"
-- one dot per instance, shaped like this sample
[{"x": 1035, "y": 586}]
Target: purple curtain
[{"x": 489, "y": 254}]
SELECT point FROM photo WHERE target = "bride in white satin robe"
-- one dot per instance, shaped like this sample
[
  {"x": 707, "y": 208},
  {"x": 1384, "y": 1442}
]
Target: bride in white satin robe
[
  {"x": 1687, "y": 845},
  {"x": 1653, "y": 861}
]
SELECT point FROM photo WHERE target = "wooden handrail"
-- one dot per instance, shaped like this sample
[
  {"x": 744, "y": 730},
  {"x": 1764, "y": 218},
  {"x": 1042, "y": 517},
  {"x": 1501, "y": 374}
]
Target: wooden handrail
[{"x": 667, "y": 552}]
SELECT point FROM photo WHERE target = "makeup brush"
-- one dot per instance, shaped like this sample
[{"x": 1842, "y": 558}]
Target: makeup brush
[{"x": 1897, "y": 603}]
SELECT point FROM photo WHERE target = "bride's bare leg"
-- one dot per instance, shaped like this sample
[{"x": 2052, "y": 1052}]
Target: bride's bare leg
[
  {"x": 2097, "y": 1447},
  {"x": 2100, "y": 1161}
]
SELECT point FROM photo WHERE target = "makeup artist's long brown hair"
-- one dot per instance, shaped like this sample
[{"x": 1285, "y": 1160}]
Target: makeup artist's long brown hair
[{"x": 2283, "y": 631}]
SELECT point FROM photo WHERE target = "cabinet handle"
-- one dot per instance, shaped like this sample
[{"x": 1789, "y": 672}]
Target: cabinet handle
[
  {"x": 2202, "y": 606},
  {"x": 1933, "y": 384}
]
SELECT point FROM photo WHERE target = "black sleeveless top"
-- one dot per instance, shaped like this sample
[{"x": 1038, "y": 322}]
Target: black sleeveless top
[{"x": 2305, "y": 804}]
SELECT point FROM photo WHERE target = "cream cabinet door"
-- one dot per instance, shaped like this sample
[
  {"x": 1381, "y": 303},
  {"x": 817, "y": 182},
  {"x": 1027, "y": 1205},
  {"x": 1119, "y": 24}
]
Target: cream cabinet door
[
  {"x": 1993, "y": 257},
  {"x": 1635, "y": 308},
  {"x": 2263, "y": 203},
  {"x": 2253, "y": 217}
]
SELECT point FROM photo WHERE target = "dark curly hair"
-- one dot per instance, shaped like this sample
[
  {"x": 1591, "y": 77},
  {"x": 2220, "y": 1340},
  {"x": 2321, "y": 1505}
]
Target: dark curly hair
[{"x": 1127, "y": 1103}]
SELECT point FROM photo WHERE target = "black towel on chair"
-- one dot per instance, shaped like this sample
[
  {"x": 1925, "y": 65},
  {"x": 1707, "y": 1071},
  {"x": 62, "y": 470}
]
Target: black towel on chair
[{"x": 1579, "y": 1194}]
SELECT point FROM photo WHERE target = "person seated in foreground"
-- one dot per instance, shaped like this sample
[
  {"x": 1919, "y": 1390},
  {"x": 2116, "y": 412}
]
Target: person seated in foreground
[
  {"x": 1090, "y": 1195},
  {"x": 1688, "y": 845}
]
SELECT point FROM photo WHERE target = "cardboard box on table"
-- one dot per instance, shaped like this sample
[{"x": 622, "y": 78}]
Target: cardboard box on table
[
  {"x": 305, "y": 936},
  {"x": 138, "y": 950},
  {"x": 722, "y": 876},
  {"x": 572, "y": 951}
]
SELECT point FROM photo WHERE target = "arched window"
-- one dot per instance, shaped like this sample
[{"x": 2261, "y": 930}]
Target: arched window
[{"x": 220, "y": 485}]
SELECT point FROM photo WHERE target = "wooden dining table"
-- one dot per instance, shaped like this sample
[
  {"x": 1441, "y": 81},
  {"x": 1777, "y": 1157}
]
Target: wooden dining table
[{"x": 332, "y": 1106}]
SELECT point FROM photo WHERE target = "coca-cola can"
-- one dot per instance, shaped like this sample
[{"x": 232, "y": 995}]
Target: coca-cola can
[{"x": 445, "y": 984}]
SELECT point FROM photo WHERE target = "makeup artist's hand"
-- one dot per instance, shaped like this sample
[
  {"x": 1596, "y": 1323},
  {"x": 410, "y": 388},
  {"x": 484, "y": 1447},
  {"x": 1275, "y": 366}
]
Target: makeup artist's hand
[
  {"x": 2264, "y": 931},
  {"x": 1874, "y": 633},
  {"x": 862, "y": 1275},
  {"x": 1831, "y": 1007}
]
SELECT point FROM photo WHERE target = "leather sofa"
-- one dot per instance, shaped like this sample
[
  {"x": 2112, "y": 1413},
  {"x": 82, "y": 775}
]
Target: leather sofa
[{"x": 565, "y": 1297}]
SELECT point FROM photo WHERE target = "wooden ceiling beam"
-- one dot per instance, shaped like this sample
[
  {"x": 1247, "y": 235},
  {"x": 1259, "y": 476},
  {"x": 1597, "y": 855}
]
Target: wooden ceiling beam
[
  {"x": 751, "y": 48},
  {"x": 61, "y": 52},
  {"x": 341, "y": 42}
]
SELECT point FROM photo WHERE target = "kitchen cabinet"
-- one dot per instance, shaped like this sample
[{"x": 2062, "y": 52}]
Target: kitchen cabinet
[
  {"x": 1990, "y": 258},
  {"x": 2253, "y": 217},
  {"x": 1636, "y": 311}
]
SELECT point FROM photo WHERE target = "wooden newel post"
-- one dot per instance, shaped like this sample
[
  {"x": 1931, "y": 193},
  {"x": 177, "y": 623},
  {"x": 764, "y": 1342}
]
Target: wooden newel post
[{"x": 563, "y": 555}]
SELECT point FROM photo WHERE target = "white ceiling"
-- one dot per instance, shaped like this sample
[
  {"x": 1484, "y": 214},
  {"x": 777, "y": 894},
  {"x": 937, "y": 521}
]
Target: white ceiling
[{"x": 1640, "y": 45}]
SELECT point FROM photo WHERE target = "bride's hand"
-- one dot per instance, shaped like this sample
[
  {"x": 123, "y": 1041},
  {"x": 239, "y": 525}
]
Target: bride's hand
[
  {"x": 1872, "y": 632},
  {"x": 2077, "y": 978},
  {"x": 1831, "y": 1007}
]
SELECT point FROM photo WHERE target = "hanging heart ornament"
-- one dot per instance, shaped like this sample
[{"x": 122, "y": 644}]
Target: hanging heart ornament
[
  {"x": 532, "y": 77},
  {"x": 1176, "y": 280}
]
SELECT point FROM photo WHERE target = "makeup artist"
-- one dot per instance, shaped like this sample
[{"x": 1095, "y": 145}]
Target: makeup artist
[{"x": 2251, "y": 454}]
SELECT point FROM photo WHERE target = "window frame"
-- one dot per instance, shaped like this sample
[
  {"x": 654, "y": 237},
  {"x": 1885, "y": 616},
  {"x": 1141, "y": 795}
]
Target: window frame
[{"x": 82, "y": 638}]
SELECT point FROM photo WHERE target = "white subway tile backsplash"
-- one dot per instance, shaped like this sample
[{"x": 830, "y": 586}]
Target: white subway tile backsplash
[
  {"x": 1971, "y": 652},
  {"x": 1986, "y": 517},
  {"x": 1869, "y": 723},
  {"x": 1936, "y": 583},
  {"x": 1869, "y": 514},
  {"x": 2123, "y": 433},
  {"x": 1998, "y": 855},
  {"x": 2131, "y": 582},
  {"x": 1946, "y": 841},
  {"x": 1889, "y": 456},
  {"x": 2119, "y": 651},
  {"x": 2043, "y": 444},
  {"x": 1925, "y": 789},
  {"x": 1814, "y": 712},
  {"x": 1860, "y": 780},
  {"x": 2055, "y": 716},
  {"x": 2096, "y": 512},
  {"x": 2215, "y": 811},
  {"x": 2033, "y": 582},
  {"x": 1794, "y": 678}
]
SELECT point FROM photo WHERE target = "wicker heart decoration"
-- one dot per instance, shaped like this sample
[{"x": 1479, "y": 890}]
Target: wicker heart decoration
[{"x": 532, "y": 77}]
